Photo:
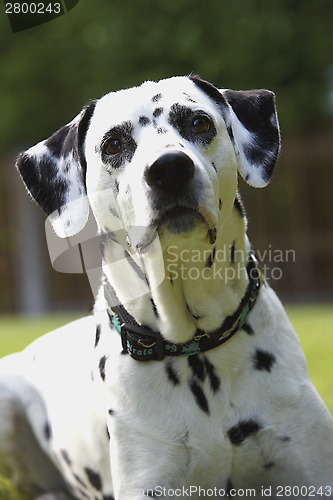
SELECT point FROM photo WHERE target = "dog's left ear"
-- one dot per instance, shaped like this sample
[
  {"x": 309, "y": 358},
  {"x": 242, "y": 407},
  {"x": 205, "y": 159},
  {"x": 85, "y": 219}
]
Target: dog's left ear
[
  {"x": 255, "y": 133},
  {"x": 253, "y": 128},
  {"x": 54, "y": 173}
]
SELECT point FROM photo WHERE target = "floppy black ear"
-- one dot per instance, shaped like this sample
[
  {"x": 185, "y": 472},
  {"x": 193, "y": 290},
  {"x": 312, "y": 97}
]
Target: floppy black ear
[
  {"x": 54, "y": 174},
  {"x": 253, "y": 128},
  {"x": 256, "y": 133}
]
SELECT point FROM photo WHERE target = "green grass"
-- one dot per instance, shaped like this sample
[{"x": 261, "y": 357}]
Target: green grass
[
  {"x": 313, "y": 324},
  {"x": 8, "y": 491},
  {"x": 16, "y": 332},
  {"x": 314, "y": 327}
]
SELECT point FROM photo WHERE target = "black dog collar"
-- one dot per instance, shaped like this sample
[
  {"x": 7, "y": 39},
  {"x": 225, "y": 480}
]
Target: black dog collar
[{"x": 144, "y": 344}]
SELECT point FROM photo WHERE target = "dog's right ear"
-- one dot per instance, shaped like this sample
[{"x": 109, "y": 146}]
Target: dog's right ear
[{"x": 54, "y": 173}]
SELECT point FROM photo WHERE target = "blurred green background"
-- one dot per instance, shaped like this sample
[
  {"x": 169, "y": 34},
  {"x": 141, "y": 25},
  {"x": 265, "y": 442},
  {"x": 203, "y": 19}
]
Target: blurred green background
[{"x": 50, "y": 71}]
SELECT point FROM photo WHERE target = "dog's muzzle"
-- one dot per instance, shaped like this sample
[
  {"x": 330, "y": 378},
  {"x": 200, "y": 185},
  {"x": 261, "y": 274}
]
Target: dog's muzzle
[{"x": 174, "y": 202}]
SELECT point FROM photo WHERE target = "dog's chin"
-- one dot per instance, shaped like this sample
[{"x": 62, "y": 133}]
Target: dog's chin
[{"x": 180, "y": 220}]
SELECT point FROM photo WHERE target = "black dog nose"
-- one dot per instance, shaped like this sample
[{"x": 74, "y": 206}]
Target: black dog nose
[{"x": 171, "y": 172}]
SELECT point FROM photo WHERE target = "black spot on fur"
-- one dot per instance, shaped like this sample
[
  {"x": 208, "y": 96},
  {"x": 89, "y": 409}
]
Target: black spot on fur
[
  {"x": 220, "y": 204},
  {"x": 231, "y": 134},
  {"x": 111, "y": 412},
  {"x": 197, "y": 366},
  {"x": 65, "y": 456},
  {"x": 171, "y": 373},
  {"x": 41, "y": 177},
  {"x": 47, "y": 431},
  {"x": 228, "y": 487},
  {"x": 157, "y": 112},
  {"x": 263, "y": 360},
  {"x": 107, "y": 432},
  {"x": 184, "y": 440},
  {"x": 135, "y": 266},
  {"x": 244, "y": 429},
  {"x": 154, "y": 308},
  {"x": 116, "y": 186},
  {"x": 214, "y": 380},
  {"x": 254, "y": 156},
  {"x": 232, "y": 253},
  {"x": 214, "y": 166},
  {"x": 113, "y": 212},
  {"x": 181, "y": 118},
  {"x": 83, "y": 493},
  {"x": 79, "y": 480},
  {"x": 199, "y": 396},
  {"x": 94, "y": 478},
  {"x": 211, "y": 258},
  {"x": 161, "y": 130},
  {"x": 284, "y": 439},
  {"x": 150, "y": 493},
  {"x": 238, "y": 204},
  {"x": 101, "y": 367},
  {"x": 144, "y": 121},
  {"x": 268, "y": 465},
  {"x": 56, "y": 142},
  {"x": 189, "y": 98},
  {"x": 212, "y": 235},
  {"x": 81, "y": 135},
  {"x": 98, "y": 335},
  {"x": 156, "y": 97},
  {"x": 248, "y": 329}
]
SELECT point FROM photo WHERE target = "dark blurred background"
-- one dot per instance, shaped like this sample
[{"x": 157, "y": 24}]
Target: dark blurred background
[{"x": 50, "y": 71}]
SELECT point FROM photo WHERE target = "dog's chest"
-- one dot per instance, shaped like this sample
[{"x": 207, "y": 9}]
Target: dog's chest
[{"x": 177, "y": 410}]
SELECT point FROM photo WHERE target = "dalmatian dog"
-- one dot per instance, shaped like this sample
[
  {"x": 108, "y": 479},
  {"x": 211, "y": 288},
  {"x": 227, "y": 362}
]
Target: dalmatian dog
[{"x": 188, "y": 380}]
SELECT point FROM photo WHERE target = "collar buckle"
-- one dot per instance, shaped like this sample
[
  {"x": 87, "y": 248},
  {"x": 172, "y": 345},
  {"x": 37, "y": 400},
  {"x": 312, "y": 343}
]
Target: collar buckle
[{"x": 141, "y": 342}]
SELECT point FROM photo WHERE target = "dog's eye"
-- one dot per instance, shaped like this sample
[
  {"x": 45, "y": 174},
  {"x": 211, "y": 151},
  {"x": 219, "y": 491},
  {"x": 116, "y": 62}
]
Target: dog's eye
[
  {"x": 201, "y": 125},
  {"x": 113, "y": 146}
]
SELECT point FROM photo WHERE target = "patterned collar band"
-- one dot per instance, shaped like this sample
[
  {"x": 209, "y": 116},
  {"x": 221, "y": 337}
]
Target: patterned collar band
[{"x": 144, "y": 344}]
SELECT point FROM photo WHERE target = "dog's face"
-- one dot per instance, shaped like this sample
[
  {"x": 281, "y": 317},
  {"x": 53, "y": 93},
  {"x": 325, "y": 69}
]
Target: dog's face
[
  {"x": 163, "y": 156},
  {"x": 161, "y": 147}
]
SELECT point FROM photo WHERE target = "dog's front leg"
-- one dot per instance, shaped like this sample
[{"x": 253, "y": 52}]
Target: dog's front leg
[{"x": 143, "y": 466}]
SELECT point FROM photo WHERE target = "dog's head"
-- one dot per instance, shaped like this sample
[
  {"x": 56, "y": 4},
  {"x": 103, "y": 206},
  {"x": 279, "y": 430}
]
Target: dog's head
[{"x": 163, "y": 156}]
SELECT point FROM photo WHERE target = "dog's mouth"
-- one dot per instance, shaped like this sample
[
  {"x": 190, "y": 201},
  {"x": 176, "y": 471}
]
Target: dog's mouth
[
  {"x": 179, "y": 219},
  {"x": 176, "y": 220}
]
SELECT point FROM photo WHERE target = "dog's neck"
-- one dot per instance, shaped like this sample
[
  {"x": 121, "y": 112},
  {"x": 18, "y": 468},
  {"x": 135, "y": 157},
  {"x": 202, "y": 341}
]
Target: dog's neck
[{"x": 197, "y": 284}]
